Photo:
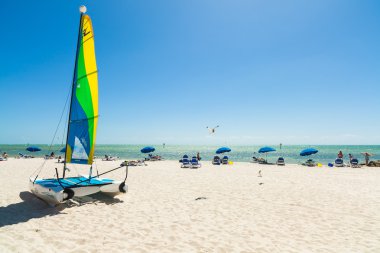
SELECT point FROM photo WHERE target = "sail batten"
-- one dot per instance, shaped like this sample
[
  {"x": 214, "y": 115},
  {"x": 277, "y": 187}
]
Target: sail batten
[{"x": 81, "y": 139}]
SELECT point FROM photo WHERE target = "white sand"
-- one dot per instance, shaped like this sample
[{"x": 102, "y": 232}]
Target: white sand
[{"x": 296, "y": 209}]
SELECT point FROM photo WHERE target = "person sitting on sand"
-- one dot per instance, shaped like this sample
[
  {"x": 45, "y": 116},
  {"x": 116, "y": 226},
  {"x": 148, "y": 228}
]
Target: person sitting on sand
[
  {"x": 52, "y": 155},
  {"x": 340, "y": 154},
  {"x": 5, "y": 155}
]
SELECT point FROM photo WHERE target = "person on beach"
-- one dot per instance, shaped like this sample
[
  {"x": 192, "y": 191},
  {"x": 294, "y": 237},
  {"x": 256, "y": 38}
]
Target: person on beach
[
  {"x": 340, "y": 154},
  {"x": 5, "y": 155},
  {"x": 198, "y": 156},
  {"x": 350, "y": 157},
  {"x": 52, "y": 155},
  {"x": 366, "y": 156}
]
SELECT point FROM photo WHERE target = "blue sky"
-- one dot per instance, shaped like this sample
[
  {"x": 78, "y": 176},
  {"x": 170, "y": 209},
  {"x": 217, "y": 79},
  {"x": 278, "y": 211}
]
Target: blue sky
[{"x": 295, "y": 72}]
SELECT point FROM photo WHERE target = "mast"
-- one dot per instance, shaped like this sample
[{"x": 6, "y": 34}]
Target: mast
[{"x": 82, "y": 10}]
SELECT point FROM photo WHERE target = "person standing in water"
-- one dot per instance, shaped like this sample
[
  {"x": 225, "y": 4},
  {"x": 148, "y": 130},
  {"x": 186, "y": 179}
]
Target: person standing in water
[{"x": 366, "y": 156}]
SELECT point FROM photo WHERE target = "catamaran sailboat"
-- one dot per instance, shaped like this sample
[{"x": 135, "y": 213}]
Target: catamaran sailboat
[{"x": 81, "y": 131}]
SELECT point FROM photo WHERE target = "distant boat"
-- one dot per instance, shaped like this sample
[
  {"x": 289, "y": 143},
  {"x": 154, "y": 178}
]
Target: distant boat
[{"x": 81, "y": 130}]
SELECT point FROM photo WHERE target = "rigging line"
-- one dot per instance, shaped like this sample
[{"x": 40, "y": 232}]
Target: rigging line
[
  {"x": 60, "y": 120},
  {"x": 55, "y": 133},
  {"x": 64, "y": 129},
  {"x": 86, "y": 75},
  {"x": 89, "y": 179},
  {"x": 67, "y": 115},
  {"x": 38, "y": 169}
]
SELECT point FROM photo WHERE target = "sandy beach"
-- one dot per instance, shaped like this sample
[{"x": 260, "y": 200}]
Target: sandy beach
[{"x": 212, "y": 209}]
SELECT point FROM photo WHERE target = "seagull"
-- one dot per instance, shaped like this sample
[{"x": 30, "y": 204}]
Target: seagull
[{"x": 212, "y": 130}]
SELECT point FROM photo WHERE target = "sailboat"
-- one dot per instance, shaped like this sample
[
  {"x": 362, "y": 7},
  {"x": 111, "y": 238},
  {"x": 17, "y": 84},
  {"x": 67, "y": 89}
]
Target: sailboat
[{"x": 81, "y": 131}]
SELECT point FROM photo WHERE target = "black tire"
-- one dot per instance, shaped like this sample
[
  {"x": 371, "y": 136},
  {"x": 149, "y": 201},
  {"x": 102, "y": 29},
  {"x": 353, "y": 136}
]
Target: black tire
[
  {"x": 121, "y": 187},
  {"x": 69, "y": 192}
]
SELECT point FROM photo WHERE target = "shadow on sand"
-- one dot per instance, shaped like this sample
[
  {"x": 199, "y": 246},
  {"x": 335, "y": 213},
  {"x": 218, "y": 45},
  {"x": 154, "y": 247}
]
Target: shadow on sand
[{"x": 32, "y": 207}]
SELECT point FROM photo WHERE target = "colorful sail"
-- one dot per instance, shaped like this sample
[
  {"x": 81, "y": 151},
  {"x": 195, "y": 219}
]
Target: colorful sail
[{"x": 83, "y": 117}]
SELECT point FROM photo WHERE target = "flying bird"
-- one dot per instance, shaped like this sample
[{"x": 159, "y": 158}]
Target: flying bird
[{"x": 212, "y": 130}]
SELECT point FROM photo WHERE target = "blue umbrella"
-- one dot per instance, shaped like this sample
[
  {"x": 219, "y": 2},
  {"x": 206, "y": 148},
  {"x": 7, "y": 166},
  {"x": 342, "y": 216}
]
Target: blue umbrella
[
  {"x": 266, "y": 149},
  {"x": 147, "y": 150},
  {"x": 223, "y": 150},
  {"x": 308, "y": 151},
  {"x": 33, "y": 149},
  {"x": 63, "y": 150}
]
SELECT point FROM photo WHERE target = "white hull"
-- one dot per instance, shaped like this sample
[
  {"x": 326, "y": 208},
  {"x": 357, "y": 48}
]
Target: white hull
[{"x": 56, "y": 197}]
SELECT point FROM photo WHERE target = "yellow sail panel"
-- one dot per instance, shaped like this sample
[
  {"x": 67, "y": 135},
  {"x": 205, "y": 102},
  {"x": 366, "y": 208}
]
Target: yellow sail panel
[{"x": 91, "y": 69}]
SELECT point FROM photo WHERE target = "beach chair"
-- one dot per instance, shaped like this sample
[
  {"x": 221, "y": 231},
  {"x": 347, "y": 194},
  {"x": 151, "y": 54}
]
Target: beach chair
[
  {"x": 25, "y": 156},
  {"x": 47, "y": 157},
  {"x": 225, "y": 160},
  {"x": 309, "y": 163},
  {"x": 339, "y": 162},
  {"x": 155, "y": 158},
  {"x": 216, "y": 160},
  {"x": 194, "y": 163},
  {"x": 354, "y": 163},
  {"x": 183, "y": 157},
  {"x": 280, "y": 161},
  {"x": 133, "y": 163},
  {"x": 149, "y": 158},
  {"x": 185, "y": 162},
  {"x": 262, "y": 161},
  {"x": 109, "y": 158}
]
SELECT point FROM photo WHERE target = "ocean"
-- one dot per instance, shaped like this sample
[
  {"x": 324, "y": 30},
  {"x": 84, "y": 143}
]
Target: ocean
[{"x": 326, "y": 154}]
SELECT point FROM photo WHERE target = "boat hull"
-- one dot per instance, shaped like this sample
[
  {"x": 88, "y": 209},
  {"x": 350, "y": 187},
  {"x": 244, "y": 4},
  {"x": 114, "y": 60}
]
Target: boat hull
[{"x": 54, "y": 195}]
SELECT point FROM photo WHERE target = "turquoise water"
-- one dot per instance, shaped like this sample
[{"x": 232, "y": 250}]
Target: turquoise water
[{"x": 326, "y": 154}]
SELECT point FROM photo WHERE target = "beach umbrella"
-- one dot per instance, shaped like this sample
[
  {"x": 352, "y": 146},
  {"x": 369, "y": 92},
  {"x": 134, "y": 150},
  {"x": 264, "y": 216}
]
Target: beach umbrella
[
  {"x": 223, "y": 150},
  {"x": 33, "y": 149},
  {"x": 147, "y": 150},
  {"x": 308, "y": 151},
  {"x": 63, "y": 150},
  {"x": 266, "y": 149}
]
